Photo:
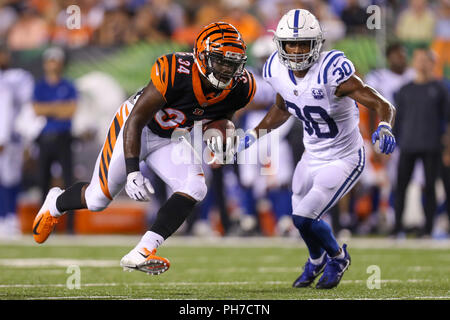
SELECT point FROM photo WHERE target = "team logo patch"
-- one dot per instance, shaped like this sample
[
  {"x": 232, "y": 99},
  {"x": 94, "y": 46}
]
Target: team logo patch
[
  {"x": 318, "y": 94},
  {"x": 198, "y": 111}
]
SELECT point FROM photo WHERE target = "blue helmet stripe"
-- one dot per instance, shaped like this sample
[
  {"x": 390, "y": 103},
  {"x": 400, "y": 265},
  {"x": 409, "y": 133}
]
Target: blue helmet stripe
[{"x": 296, "y": 22}]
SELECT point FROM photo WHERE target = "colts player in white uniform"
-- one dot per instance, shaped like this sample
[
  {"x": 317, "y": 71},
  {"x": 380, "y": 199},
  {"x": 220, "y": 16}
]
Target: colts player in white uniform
[{"x": 320, "y": 88}]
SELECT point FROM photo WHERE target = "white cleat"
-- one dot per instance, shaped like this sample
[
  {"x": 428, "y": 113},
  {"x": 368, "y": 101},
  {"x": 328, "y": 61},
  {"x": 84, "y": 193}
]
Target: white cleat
[{"x": 144, "y": 260}]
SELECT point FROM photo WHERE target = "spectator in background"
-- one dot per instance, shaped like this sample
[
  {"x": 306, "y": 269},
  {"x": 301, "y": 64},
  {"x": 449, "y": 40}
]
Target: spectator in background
[
  {"x": 441, "y": 42},
  {"x": 55, "y": 98},
  {"x": 442, "y": 30},
  {"x": 446, "y": 161},
  {"x": 16, "y": 89},
  {"x": 92, "y": 16},
  {"x": 170, "y": 16},
  {"x": 387, "y": 81},
  {"x": 144, "y": 27},
  {"x": 333, "y": 27},
  {"x": 355, "y": 18},
  {"x": 29, "y": 32},
  {"x": 236, "y": 13},
  {"x": 416, "y": 23},
  {"x": 114, "y": 29},
  {"x": 421, "y": 109},
  {"x": 188, "y": 33},
  {"x": 8, "y": 17}
]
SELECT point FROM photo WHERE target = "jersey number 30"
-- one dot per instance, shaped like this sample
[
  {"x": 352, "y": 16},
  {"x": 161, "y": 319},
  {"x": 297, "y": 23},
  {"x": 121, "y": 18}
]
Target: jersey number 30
[{"x": 311, "y": 125}]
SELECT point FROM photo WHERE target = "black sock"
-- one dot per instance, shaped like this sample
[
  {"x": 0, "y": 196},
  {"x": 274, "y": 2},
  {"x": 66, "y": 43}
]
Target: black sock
[
  {"x": 172, "y": 215},
  {"x": 70, "y": 199}
]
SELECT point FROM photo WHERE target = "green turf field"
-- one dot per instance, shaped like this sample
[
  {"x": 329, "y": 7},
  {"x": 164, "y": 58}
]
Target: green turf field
[{"x": 220, "y": 269}]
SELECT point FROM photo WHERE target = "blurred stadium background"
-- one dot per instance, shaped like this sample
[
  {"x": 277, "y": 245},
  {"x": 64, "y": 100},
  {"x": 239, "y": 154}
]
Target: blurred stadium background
[{"x": 109, "y": 58}]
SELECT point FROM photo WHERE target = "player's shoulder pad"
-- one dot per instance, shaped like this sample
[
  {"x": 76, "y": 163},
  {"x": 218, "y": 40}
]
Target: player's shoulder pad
[
  {"x": 271, "y": 66},
  {"x": 249, "y": 85},
  {"x": 164, "y": 70},
  {"x": 334, "y": 68}
]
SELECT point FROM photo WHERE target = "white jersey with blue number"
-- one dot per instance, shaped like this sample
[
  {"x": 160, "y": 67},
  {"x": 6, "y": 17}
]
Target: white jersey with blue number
[{"x": 330, "y": 123}]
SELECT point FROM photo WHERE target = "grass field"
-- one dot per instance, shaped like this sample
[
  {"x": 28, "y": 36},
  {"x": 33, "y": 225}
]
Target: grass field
[{"x": 219, "y": 269}]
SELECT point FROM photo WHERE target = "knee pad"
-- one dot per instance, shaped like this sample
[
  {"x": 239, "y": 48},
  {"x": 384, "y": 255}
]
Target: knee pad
[{"x": 195, "y": 187}]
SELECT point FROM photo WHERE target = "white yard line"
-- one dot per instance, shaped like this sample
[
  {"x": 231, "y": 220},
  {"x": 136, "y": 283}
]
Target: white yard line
[
  {"x": 219, "y": 283},
  {"x": 247, "y": 242},
  {"x": 57, "y": 262}
]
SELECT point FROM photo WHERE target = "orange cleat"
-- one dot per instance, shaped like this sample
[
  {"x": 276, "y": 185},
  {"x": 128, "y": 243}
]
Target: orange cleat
[
  {"x": 44, "y": 223},
  {"x": 146, "y": 261}
]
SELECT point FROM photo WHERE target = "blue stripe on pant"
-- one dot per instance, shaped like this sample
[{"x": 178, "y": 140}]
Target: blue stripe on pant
[{"x": 349, "y": 182}]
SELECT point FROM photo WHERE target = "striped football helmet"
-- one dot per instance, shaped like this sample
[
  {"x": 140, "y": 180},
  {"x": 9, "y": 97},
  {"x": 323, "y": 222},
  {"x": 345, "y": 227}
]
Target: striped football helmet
[
  {"x": 220, "y": 55},
  {"x": 299, "y": 25}
]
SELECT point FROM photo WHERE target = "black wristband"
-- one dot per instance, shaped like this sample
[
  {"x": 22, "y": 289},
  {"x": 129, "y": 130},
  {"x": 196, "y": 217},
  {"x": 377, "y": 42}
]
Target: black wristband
[{"x": 132, "y": 164}]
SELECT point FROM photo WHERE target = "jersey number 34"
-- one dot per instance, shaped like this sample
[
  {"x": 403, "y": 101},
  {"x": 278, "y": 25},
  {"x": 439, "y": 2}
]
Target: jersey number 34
[{"x": 311, "y": 125}]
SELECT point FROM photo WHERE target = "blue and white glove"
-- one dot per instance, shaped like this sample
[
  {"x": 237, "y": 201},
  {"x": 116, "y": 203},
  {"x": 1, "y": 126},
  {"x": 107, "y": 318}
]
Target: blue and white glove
[
  {"x": 138, "y": 187},
  {"x": 385, "y": 138},
  {"x": 249, "y": 138}
]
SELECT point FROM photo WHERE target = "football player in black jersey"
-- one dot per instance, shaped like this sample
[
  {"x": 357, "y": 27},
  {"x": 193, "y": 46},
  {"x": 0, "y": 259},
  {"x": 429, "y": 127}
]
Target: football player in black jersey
[{"x": 209, "y": 84}]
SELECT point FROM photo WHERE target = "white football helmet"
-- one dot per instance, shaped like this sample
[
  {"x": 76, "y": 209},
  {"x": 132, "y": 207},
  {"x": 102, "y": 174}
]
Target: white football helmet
[{"x": 299, "y": 25}]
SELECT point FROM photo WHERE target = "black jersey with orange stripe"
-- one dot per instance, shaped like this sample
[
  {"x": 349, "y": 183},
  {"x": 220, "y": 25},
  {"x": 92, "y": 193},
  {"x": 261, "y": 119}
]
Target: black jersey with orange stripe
[{"x": 177, "y": 78}]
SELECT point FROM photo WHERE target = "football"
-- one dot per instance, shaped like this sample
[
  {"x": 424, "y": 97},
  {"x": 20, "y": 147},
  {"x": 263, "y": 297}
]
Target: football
[
  {"x": 222, "y": 127},
  {"x": 219, "y": 128}
]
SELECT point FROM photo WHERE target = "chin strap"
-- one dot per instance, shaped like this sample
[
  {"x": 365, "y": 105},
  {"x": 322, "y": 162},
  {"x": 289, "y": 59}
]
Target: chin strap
[{"x": 216, "y": 83}]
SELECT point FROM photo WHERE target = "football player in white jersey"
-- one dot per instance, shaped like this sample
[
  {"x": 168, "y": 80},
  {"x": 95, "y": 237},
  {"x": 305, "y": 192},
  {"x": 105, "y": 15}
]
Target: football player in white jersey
[
  {"x": 16, "y": 90},
  {"x": 320, "y": 88}
]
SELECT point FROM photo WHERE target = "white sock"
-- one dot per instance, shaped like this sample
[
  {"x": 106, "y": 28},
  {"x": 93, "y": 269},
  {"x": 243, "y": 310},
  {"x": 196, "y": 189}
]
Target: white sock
[
  {"x": 318, "y": 260},
  {"x": 52, "y": 208},
  {"x": 150, "y": 240},
  {"x": 341, "y": 255}
]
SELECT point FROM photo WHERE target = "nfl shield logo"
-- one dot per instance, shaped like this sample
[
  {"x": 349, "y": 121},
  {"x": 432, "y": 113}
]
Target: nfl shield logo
[
  {"x": 317, "y": 94},
  {"x": 198, "y": 112}
]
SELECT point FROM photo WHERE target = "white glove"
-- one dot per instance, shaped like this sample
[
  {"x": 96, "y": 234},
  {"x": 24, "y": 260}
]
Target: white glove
[
  {"x": 138, "y": 187},
  {"x": 215, "y": 144}
]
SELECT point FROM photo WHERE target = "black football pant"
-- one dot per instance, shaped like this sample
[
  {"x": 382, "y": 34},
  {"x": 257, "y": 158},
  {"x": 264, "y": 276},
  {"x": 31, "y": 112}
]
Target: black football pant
[
  {"x": 54, "y": 148},
  {"x": 407, "y": 161}
]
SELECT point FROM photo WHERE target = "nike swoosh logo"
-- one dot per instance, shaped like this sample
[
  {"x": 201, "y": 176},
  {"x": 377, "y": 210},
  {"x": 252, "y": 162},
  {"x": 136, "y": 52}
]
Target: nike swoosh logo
[
  {"x": 145, "y": 256},
  {"x": 36, "y": 226},
  {"x": 334, "y": 64}
]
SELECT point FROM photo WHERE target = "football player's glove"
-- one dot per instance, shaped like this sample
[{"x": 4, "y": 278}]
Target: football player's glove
[
  {"x": 221, "y": 153},
  {"x": 386, "y": 139},
  {"x": 249, "y": 138},
  {"x": 138, "y": 187}
]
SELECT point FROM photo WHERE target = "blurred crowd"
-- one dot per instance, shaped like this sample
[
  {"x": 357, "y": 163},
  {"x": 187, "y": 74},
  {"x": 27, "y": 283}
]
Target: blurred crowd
[
  {"x": 29, "y": 24},
  {"x": 241, "y": 201}
]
